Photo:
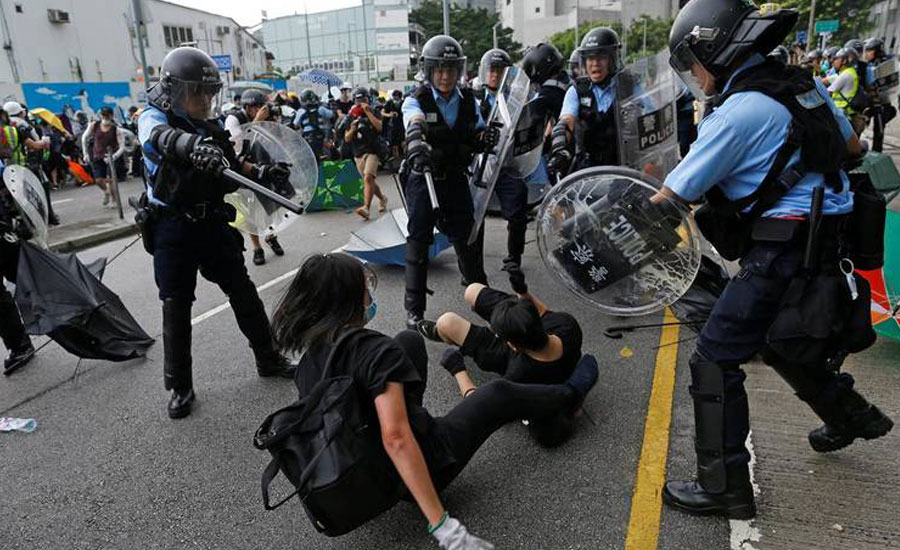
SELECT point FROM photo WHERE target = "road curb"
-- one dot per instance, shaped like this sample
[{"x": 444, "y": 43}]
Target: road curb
[{"x": 93, "y": 239}]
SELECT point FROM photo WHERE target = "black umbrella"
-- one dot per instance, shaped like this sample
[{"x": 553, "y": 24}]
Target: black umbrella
[{"x": 59, "y": 296}]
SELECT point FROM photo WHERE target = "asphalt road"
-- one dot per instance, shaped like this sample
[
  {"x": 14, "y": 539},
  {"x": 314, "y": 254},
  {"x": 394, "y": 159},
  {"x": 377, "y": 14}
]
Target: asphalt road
[{"x": 106, "y": 467}]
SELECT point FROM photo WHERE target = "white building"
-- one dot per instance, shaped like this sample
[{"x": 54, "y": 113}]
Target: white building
[
  {"x": 359, "y": 44},
  {"x": 887, "y": 23},
  {"x": 84, "y": 51},
  {"x": 664, "y": 9},
  {"x": 533, "y": 21},
  {"x": 489, "y": 5}
]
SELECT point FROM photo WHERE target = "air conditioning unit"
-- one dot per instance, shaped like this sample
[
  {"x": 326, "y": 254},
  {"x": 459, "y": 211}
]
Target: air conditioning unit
[
  {"x": 58, "y": 16},
  {"x": 223, "y": 30}
]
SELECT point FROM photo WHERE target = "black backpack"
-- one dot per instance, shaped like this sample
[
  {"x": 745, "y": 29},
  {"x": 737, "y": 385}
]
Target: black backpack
[{"x": 327, "y": 448}]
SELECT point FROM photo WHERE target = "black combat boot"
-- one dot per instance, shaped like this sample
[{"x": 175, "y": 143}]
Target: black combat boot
[
  {"x": 416, "y": 279},
  {"x": 177, "y": 361},
  {"x": 736, "y": 502},
  {"x": 851, "y": 417},
  {"x": 13, "y": 333},
  {"x": 251, "y": 318}
]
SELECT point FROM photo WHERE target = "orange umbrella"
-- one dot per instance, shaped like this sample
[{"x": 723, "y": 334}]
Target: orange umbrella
[{"x": 79, "y": 172}]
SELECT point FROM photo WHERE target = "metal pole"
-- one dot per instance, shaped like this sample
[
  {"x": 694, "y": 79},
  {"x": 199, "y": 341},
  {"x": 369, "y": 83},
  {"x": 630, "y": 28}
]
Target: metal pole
[
  {"x": 138, "y": 26},
  {"x": 447, "y": 17},
  {"x": 497, "y": 24},
  {"x": 308, "y": 44},
  {"x": 810, "y": 30},
  {"x": 577, "y": 6},
  {"x": 366, "y": 34}
]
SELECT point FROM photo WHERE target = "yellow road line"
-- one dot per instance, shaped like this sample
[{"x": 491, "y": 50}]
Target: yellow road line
[{"x": 646, "y": 503}]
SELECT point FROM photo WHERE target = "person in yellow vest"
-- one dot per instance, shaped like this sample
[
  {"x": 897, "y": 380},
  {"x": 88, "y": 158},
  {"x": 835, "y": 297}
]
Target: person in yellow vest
[{"x": 844, "y": 86}]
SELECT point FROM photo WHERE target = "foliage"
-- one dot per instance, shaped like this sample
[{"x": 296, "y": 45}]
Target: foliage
[
  {"x": 853, "y": 15},
  {"x": 657, "y": 35},
  {"x": 473, "y": 28}
]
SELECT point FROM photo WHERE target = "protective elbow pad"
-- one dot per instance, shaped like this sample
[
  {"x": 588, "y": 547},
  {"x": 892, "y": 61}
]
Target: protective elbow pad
[
  {"x": 560, "y": 136},
  {"x": 173, "y": 143},
  {"x": 416, "y": 130}
]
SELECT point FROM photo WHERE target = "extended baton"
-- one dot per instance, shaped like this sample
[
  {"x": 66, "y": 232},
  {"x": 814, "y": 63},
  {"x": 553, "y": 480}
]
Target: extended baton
[
  {"x": 247, "y": 183},
  {"x": 432, "y": 194}
]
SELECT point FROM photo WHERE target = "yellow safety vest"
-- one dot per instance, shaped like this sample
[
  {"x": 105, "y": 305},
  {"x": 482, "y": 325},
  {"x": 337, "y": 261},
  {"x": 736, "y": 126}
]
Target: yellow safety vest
[
  {"x": 842, "y": 100},
  {"x": 10, "y": 139}
]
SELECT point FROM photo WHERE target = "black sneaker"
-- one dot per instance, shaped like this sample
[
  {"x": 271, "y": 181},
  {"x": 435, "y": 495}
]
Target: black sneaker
[
  {"x": 412, "y": 320},
  {"x": 53, "y": 219},
  {"x": 273, "y": 243},
  {"x": 259, "y": 256},
  {"x": 180, "y": 403},
  {"x": 18, "y": 359},
  {"x": 428, "y": 329},
  {"x": 453, "y": 361},
  {"x": 583, "y": 378}
]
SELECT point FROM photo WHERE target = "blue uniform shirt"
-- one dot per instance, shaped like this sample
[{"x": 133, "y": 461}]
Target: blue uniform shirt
[
  {"x": 325, "y": 118},
  {"x": 449, "y": 108},
  {"x": 736, "y": 145},
  {"x": 604, "y": 97},
  {"x": 149, "y": 119}
]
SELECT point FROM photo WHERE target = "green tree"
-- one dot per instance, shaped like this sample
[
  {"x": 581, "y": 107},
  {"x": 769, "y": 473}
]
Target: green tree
[
  {"x": 853, "y": 14},
  {"x": 472, "y": 27},
  {"x": 565, "y": 40},
  {"x": 657, "y": 36}
]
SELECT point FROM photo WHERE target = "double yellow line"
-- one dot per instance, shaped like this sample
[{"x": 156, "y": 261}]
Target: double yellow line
[{"x": 646, "y": 503}]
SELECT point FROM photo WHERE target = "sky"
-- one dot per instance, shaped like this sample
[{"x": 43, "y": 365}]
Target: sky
[{"x": 249, "y": 12}]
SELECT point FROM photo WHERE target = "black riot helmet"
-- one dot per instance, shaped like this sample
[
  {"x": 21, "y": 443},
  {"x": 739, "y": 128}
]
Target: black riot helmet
[
  {"x": 830, "y": 52},
  {"x": 253, "y": 98},
  {"x": 856, "y": 44},
  {"x": 601, "y": 41},
  {"x": 359, "y": 94},
  {"x": 309, "y": 99},
  {"x": 542, "y": 62},
  {"x": 780, "y": 53},
  {"x": 493, "y": 62},
  {"x": 876, "y": 45},
  {"x": 719, "y": 35},
  {"x": 186, "y": 73},
  {"x": 442, "y": 51},
  {"x": 575, "y": 63}
]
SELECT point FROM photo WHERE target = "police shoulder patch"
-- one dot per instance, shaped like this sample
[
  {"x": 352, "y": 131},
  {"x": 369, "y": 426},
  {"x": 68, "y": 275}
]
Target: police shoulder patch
[{"x": 810, "y": 99}]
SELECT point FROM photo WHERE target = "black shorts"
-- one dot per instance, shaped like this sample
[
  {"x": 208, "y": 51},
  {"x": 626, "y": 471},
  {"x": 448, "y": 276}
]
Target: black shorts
[
  {"x": 100, "y": 169},
  {"x": 486, "y": 348}
]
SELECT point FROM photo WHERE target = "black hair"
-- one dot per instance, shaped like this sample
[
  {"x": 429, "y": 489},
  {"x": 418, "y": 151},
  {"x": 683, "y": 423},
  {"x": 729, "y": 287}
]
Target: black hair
[
  {"x": 326, "y": 295},
  {"x": 519, "y": 323}
]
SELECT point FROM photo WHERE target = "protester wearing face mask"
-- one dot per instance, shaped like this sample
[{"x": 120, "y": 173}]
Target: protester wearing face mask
[
  {"x": 323, "y": 314},
  {"x": 97, "y": 140}
]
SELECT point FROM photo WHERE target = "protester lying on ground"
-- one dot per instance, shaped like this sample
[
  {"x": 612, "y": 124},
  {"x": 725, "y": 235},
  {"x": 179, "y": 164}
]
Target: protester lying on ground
[
  {"x": 334, "y": 293},
  {"x": 526, "y": 343}
]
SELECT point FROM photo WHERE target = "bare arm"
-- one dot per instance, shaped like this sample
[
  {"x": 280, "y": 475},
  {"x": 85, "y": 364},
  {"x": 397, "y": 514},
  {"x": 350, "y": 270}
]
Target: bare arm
[
  {"x": 350, "y": 134},
  {"x": 376, "y": 122},
  {"x": 403, "y": 449}
]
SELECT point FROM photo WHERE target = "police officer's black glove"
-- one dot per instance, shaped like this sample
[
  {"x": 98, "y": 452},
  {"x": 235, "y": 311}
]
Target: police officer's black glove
[
  {"x": 490, "y": 138},
  {"x": 208, "y": 158},
  {"x": 276, "y": 177},
  {"x": 418, "y": 155},
  {"x": 22, "y": 230},
  {"x": 559, "y": 163},
  {"x": 516, "y": 276}
]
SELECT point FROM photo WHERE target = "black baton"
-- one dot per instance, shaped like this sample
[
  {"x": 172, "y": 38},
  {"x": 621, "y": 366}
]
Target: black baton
[{"x": 247, "y": 183}]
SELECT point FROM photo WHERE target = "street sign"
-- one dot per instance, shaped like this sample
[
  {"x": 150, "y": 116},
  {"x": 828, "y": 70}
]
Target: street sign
[
  {"x": 223, "y": 62},
  {"x": 801, "y": 36},
  {"x": 827, "y": 25}
]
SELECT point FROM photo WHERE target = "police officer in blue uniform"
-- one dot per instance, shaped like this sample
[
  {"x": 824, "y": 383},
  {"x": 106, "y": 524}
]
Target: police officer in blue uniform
[
  {"x": 511, "y": 190},
  {"x": 772, "y": 147},
  {"x": 444, "y": 130},
  {"x": 589, "y": 108},
  {"x": 185, "y": 219}
]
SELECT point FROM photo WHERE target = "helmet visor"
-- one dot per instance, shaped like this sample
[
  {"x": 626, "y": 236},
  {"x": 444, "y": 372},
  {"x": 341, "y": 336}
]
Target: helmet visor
[
  {"x": 682, "y": 61},
  {"x": 435, "y": 65},
  {"x": 192, "y": 98}
]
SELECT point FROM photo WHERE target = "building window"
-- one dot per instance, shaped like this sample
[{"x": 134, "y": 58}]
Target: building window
[
  {"x": 18, "y": 8},
  {"x": 174, "y": 36},
  {"x": 537, "y": 9}
]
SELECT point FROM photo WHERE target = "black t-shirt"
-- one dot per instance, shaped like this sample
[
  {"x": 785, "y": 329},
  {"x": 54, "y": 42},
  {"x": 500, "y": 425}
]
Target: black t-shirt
[
  {"x": 366, "y": 140},
  {"x": 373, "y": 360},
  {"x": 343, "y": 106},
  {"x": 524, "y": 369}
]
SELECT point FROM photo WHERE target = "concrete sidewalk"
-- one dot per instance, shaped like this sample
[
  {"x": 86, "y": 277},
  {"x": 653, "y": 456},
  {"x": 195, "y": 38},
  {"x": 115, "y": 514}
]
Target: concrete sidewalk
[{"x": 86, "y": 222}]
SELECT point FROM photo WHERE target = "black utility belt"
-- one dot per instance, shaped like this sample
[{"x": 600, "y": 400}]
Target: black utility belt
[
  {"x": 796, "y": 230},
  {"x": 214, "y": 211}
]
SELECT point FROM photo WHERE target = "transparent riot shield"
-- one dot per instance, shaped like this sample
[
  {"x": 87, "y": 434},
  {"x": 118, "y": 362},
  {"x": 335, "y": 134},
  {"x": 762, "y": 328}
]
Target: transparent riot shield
[
  {"x": 887, "y": 76},
  {"x": 604, "y": 239},
  {"x": 270, "y": 142},
  {"x": 28, "y": 193},
  {"x": 528, "y": 140},
  {"x": 646, "y": 92},
  {"x": 511, "y": 99}
]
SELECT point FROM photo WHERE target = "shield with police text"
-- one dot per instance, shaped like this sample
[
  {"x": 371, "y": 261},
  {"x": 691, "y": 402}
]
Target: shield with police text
[
  {"x": 646, "y": 92},
  {"x": 513, "y": 94},
  {"x": 609, "y": 238},
  {"x": 887, "y": 76},
  {"x": 31, "y": 201},
  {"x": 270, "y": 143}
]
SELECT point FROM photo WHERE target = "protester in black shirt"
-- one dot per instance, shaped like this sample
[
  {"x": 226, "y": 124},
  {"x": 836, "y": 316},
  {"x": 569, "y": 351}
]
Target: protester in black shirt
[
  {"x": 333, "y": 293},
  {"x": 363, "y": 135}
]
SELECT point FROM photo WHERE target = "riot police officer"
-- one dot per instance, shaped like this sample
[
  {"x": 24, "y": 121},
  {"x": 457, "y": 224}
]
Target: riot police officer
[
  {"x": 590, "y": 102},
  {"x": 574, "y": 64},
  {"x": 184, "y": 155},
  {"x": 444, "y": 129},
  {"x": 543, "y": 64},
  {"x": 511, "y": 190},
  {"x": 312, "y": 120},
  {"x": 773, "y": 145}
]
